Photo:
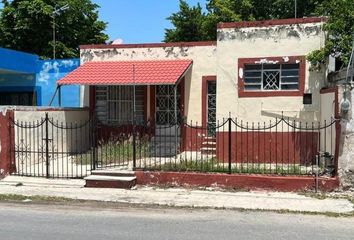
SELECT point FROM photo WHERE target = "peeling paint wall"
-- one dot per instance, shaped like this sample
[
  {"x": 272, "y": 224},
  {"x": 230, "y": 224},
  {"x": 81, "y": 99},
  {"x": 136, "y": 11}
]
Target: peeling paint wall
[
  {"x": 262, "y": 42},
  {"x": 204, "y": 63}
]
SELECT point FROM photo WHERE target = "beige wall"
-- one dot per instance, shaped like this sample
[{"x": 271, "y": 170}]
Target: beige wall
[
  {"x": 204, "y": 63},
  {"x": 63, "y": 139},
  {"x": 273, "y": 41}
]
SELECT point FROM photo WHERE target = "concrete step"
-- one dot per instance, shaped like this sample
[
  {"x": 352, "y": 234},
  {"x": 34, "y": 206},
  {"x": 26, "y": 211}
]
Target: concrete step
[
  {"x": 161, "y": 138},
  {"x": 100, "y": 181},
  {"x": 213, "y": 139},
  {"x": 116, "y": 173},
  {"x": 209, "y": 144},
  {"x": 208, "y": 150},
  {"x": 163, "y": 152},
  {"x": 168, "y": 130}
]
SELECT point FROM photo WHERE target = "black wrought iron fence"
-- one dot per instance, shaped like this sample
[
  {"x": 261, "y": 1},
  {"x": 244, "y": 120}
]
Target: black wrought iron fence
[
  {"x": 51, "y": 148},
  {"x": 281, "y": 146}
]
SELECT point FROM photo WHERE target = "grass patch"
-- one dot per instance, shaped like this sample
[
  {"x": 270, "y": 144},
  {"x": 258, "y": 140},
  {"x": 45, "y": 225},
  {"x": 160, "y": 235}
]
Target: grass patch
[
  {"x": 213, "y": 165},
  {"x": 112, "y": 152}
]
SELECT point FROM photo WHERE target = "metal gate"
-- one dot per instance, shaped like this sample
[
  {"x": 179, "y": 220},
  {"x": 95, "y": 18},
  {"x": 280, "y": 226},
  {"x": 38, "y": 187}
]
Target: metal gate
[{"x": 51, "y": 148}]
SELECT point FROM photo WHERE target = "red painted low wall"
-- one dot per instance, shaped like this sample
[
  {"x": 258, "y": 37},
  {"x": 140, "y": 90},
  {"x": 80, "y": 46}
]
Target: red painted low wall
[
  {"x": 192, "y": 138},
  {"x": 6, "y": 143},
  {"x": 266, "y": 147},
  {"x": 235, "y": 181}
]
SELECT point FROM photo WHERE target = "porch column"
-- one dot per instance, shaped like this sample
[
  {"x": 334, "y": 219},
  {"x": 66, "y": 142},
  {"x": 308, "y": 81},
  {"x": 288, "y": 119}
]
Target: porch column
[{"x": 176, "y": 115}]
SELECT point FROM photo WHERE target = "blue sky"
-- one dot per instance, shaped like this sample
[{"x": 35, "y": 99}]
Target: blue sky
[{"x": 139, "y": 21}]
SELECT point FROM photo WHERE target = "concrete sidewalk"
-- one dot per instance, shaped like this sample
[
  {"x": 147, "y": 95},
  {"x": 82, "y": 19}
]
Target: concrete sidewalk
[{"x": 175, "y": 197}]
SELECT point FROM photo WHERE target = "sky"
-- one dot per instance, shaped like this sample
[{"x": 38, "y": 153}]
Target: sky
[{"x": 139, "y": 21}]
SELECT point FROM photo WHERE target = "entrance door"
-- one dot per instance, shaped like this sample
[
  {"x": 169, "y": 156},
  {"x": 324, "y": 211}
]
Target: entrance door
[
  {"x": 165, "y": 105},
  {"x": 166, "y": 142},
  {"x": 211, "y": 108}
]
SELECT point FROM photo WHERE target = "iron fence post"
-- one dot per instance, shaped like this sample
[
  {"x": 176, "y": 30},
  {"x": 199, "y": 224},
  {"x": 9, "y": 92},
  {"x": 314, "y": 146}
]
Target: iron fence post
[
  {"x": 93, "y": 142},
  {"x": 134, "y": 147},
  {"x": 229, "y": 145},
  {"x": 46, "y": 145}
]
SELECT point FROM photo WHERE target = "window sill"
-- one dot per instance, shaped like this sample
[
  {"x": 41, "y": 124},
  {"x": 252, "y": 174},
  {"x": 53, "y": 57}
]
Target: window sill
[{"x": 245, "y": 94}]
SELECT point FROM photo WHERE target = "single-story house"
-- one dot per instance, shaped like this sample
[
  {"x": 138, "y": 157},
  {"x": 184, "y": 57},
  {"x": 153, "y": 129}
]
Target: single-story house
[{"x": 255, "y": 71}]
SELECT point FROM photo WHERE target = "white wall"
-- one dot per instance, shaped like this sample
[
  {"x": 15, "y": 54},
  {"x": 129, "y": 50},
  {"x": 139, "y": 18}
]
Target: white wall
[{"x": 273, "y": 41}]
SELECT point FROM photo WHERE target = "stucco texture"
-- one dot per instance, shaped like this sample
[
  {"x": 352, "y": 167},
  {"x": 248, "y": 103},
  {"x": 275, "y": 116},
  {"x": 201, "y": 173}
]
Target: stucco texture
[{"x": 262, "y": 42}]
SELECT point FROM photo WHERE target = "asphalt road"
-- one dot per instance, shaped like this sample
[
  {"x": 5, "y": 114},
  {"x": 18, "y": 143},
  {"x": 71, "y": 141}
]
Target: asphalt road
[{"x": 52, "y": 222}]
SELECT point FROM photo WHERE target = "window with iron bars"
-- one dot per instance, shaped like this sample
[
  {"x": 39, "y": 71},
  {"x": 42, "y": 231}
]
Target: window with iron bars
[
  {"x": 114, "y": 104},
  {"x": 271, "y": 77}
]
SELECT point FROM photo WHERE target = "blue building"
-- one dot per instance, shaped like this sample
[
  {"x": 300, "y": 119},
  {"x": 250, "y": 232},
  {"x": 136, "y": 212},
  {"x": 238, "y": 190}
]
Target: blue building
[{"x": 26, "y": 80}]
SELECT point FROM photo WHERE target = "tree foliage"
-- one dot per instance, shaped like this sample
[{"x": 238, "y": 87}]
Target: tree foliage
[
  {"x": 339, "y": 25},
  {"x": 27, "y": 25},
  {"x": 188, "y": 24},
  {"x": 340, "y": 29}
]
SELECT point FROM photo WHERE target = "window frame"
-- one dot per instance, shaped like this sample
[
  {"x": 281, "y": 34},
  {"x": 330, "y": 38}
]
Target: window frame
[{"x": 242, "y": 62}]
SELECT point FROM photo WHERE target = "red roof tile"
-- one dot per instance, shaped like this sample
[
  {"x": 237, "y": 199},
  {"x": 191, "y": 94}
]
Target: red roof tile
[{"x": 152, "y": 72}]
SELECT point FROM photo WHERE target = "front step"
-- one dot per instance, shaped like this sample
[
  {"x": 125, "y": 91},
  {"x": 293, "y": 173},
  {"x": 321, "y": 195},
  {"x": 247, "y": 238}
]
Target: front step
[
  {"x": 209, "y": 146},
  {"x": 114, "y": 173},
  {"x": 111, "y": 179}
]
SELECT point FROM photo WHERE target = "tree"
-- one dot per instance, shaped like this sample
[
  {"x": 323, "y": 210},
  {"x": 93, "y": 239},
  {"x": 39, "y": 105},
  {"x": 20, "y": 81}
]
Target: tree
[
  {"x": 232, "y": 11},
  {"x": 339, "y": 24},
  {"x": 188, "y": 24},
  {"x": 26, "y": 25},
  {"x": 340, "y": 29}
]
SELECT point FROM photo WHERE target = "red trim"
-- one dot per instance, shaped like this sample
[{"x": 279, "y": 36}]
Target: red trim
[
  {"x": 292, "y": 59},
  {"x": 152, "y": 103},
  {"x": 182, "y": 97},
  {"x": 146, "y": 117},
  {"x": 7, "y": 141},
  {"x": 328, "y": 90},
  {"x": 92, "y": 101},
  {"x": 336, "y": 105},
  {"x": 338, "y": 129},
  {"x": 205, "y": 80},
  {"x": 150, "y": 45},
  {"x": 235, "y": 181},
  {"x": 273, "y": 22},
  {"x": 336, "y": 151}
]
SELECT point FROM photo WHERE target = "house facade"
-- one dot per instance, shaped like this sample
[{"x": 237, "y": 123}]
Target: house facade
[
  {"x": 255, "y": 74},
  {"x": 255, "y": 70}
]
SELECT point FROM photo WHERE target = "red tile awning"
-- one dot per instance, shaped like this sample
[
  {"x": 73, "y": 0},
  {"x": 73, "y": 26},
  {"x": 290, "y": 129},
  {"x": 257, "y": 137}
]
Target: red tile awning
[{"x": 152, "y": 72}]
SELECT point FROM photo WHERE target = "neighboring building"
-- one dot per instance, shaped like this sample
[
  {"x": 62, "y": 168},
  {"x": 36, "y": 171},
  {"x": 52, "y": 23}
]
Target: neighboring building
[{"x": 25, "y": 80}]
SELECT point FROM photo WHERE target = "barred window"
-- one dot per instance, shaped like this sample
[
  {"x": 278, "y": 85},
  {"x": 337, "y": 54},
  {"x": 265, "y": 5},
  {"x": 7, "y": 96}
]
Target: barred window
[
  {"x": 114, "y": 104},
  {"x": 271, "y": 77}
]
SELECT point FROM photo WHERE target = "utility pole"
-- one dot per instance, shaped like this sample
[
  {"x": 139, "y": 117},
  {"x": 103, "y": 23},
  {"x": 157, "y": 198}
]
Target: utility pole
[{"x": 54, "y": 13}]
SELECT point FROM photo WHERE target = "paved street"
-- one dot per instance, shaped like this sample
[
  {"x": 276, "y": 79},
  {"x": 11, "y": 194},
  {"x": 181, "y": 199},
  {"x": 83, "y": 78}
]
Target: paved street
[{"x": 72, "y": 222}]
